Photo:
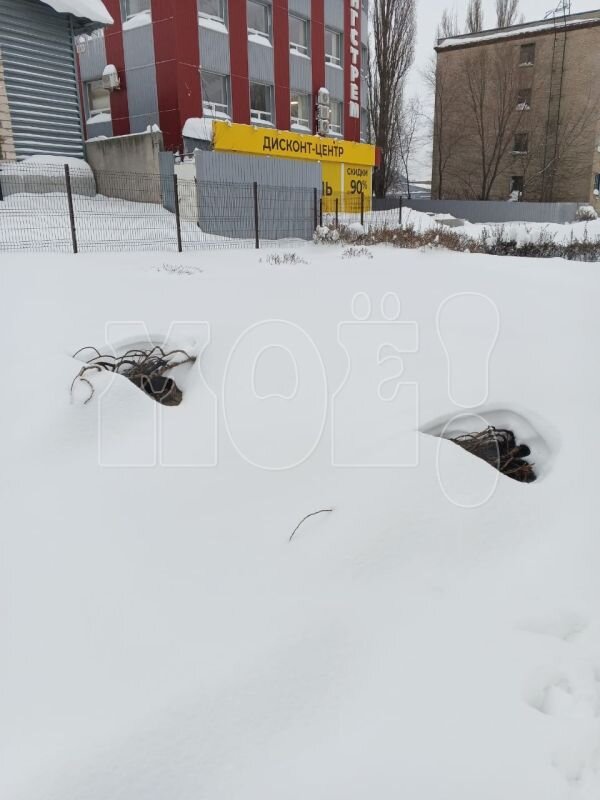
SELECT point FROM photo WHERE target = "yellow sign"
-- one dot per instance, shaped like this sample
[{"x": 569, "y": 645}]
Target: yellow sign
[
  {"x": 287, "y": 144},
  {"x": 357, "y": 182},
  {"x": 331, "y": 185}
]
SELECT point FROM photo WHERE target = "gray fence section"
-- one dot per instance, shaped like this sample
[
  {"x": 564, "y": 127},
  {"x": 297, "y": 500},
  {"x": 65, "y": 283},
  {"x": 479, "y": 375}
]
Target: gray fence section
[
  {"x": 166, "y": 165},
  {"x": 224, "y": 210},
  {"x": 497, "y": 211}
]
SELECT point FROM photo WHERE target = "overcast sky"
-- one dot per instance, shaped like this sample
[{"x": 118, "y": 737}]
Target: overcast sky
[{"x": 428, "y": 15}]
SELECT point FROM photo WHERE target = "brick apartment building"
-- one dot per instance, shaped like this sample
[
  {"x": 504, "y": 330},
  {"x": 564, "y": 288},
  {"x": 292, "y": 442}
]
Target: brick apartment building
[
  {"x": 516, "y": 112},
  {"x": 259, "y": 62}
]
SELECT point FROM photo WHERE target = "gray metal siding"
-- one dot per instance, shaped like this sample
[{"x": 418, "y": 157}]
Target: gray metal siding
[
  {"x": 140, "y": 76},
  {"x": 300, "y": 7},
  {"x": 260, "y": 63},
  {"x": 99, "y": 129},
  {"x": 497, "y": 210},
  {"x": 334, "y": 14},
  {"x": 93, "y": 60},
  {"x": 334, "y": 81},
  {"x": 40, "y": 76},
  {"x": 214, "y": 51},
  {"x": 225, "y": 200},
  {"x": 300, "y": 73}
]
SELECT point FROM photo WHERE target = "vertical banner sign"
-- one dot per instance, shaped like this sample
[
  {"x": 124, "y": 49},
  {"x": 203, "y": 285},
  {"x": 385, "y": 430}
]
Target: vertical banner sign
[{"x": 352, "y": 69}]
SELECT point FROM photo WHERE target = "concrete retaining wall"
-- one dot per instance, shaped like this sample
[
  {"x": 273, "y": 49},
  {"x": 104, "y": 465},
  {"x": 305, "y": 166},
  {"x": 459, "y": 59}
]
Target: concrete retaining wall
[{"x": 127, "y": 166}]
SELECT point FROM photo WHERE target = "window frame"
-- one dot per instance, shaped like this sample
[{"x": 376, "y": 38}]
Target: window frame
[
  {"x": 213, "y": 105},
  {"x": 269, "y": 15},
  {"x": 265, "y": 117},
  {"x": 305, "y": 123},
  {"x": 88, "y": 94},
  {"x": 330, "y": 58},
  {"x": 522, "y": 103},
  {"x": 295, "y": 47},
  {"x": 524, "y": 47},
  {"x": 212, "y": 17},
  {"x": 520, "y": 191},
  {"x": 129, "y": 15},
  {"x": 334, "y": 128},
  {"x": 521, "y": 150}
]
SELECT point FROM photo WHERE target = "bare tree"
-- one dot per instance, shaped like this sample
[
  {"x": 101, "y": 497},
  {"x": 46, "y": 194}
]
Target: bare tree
[
  {"x": 474, "y": 21},
  {"x": 393, "y": 47},
  {"x": 411, "y": 116},
  {"x": 448, "y": 24},
  {"x": 492, "y": 114},
  {"x": 444, "y": 130},
  {"x": 506, "y": 12}
]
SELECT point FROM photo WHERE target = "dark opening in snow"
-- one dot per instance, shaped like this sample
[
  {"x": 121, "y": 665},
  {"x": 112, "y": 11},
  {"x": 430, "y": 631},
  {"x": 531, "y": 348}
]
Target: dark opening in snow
[
  {"x": 500, "y": 449},
  {"x": 144, "y": 368}
]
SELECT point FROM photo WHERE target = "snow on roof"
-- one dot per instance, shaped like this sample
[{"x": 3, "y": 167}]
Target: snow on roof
[
  {"x": 198, "y": 128},
  {"x": 515, "y": 30},
  {"x": 94, "y": 10}
]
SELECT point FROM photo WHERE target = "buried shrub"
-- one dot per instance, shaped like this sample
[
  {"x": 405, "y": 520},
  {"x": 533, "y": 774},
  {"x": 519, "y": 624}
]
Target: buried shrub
[
  {"x": 585, "y": 214},
  {"x": 493, "y": 241},
  {"x": 499, "y": 448},
  {"x": 144, "y": 368},
  {"x": 277, "y": 259}
]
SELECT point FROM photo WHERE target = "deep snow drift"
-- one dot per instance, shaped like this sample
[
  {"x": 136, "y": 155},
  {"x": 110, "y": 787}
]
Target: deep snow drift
[{"x": 162, "y": 636}]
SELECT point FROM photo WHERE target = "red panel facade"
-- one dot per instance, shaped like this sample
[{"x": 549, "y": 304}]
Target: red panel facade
[
  {"x": 177, "y": 55},
  {"x": 115, "y": 54},
  {"x": 281, "y": 62},
  {"x": 175, "y": 30},
  {"x": 317, "y": 43},
  {"x": 238, "y": 59}
]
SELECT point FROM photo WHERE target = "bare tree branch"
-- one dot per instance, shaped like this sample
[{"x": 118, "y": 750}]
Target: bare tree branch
[
  {"x": 506, "y": 12},
  {"x": 393, "y": 46}
]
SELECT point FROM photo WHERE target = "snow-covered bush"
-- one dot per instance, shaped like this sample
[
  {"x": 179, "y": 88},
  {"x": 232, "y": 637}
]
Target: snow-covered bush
[{"x": 586, "y": 214}]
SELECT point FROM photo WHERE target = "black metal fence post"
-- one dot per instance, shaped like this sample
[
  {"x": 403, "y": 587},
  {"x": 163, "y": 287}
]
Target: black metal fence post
[
  {"x": 362, "y": 208},
  {"x": 71, "y": 209},
  {"x": 256, "y": 231},
  {"x": 1, "y": 194},
  {"x": 337, "y": 203},
  {"x": 177, "y": 214},
  {"x": 315, "y": 208},
  {"x": 400, "y": 211},
  {"x": 321, "y": 212}
]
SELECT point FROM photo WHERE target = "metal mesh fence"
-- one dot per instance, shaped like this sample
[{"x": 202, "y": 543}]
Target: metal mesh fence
[{"x": 66, "y": 208}]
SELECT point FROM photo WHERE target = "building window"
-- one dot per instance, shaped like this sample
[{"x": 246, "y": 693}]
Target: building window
[
  {"x": 98, "y": 99},
  {"x": 300, "y": 106},
  {"x": 527, "y": 56},
  {"x": 259, "y": 19},
  {"x": 364, "y": 61},
  {"x": 215, "y": 95},
  {"x": 364, "y": 125},
  {"x": 214, "y": 10},
  {"x": 597, "y": 184},
  {"x": 524, "y": 100},
  {"x": 261, "y": 103},
  {"x": 333, "y": 47},
  {"x": 516, "y": 187},
  {"x": 299, "y": 36},
  {"x": 521, "y": 143},
  {"x": 133, "y": 7},
  {"x": 335, "y": 119}
]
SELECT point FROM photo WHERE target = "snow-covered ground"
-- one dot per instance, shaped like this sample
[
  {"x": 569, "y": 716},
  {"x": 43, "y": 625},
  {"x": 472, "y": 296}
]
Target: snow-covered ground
[
  {"x": 163, "y": 638},
  {"x": 41, "y": 222}
]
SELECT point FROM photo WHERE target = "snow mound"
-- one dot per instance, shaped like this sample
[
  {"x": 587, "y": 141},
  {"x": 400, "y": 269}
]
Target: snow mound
[
  {"x": 198, "y": 128},
  {"x": 95, "y": 10}
]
